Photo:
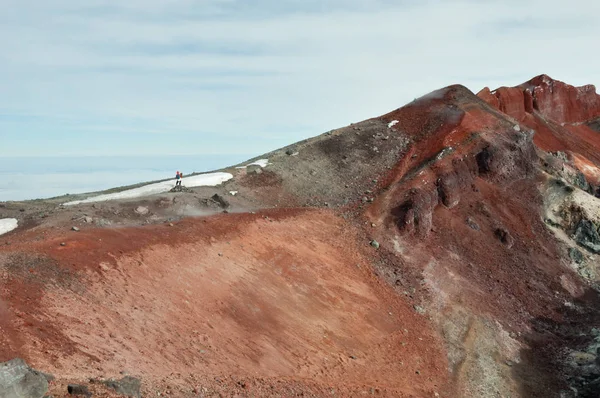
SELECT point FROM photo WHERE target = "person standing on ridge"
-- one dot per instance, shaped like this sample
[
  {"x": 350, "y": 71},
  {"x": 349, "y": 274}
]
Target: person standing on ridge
[
  {"x": 177, "y": 179},
  {"x": 180, "y": 178}
]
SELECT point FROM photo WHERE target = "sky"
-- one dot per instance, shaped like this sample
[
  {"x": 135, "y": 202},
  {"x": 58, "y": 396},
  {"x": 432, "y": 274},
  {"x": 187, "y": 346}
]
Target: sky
[{"x": 154, "y": 77}]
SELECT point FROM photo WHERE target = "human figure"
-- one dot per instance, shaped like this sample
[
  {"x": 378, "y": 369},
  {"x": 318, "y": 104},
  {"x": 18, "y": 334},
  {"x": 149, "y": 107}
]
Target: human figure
[{"x": 178, "y": 179}]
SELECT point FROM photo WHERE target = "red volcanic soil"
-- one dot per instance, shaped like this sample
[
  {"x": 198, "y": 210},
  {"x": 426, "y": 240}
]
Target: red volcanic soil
[
  {"x": 251, "y": 304},
  {"x": 409, "y": 255}
]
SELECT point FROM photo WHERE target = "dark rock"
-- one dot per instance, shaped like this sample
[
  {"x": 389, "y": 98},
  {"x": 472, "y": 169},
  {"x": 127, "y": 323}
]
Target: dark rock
[
  {"x": 415, "y": 214},
  {"x": 77, "y": 389},
  {"x": 220, "y": 200},
  {"x": 290, "y": 151},
  {"x": 128, "y": 386},
  {"x": 484, "y": 160},
  {"x": 587, "y": 236},
  {"x": 580, "y": 182},
  {"x": 180, "y": 188},
  {"x": 505, "y": 237},
  {"x": 17, "y": 380},
  {"x": 576, "y": 255}
]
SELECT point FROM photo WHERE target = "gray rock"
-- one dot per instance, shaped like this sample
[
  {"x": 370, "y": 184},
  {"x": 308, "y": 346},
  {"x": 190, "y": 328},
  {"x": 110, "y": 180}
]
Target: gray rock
[
  {"x": 128, "y": 386},
  {"x": 103, "y": 222},
  {"x": 88, "y": 219},
  {"x": 576, "y": 255},
  {"x": 587, "y": 236},
  {"x": 375, "y": 244},
  {"x": 74, "y": 229},
  {"x": 17, "y": 380},
  {"x": 142, "y": 210},
  {"x": 472, "y": 224},
  {"x": 419, "y": 309},
  {"x": 254, "y": 169}
]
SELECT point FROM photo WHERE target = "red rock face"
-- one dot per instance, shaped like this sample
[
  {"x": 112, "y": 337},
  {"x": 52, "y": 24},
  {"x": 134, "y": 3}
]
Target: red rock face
[
  {"x": 563, "y": 116},
  {"x": 562, "y": 102},
  {"x": 552, "y": 99}
]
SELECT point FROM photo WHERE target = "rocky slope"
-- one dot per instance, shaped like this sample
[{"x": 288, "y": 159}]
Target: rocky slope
[{"x": 448, "y": 248}]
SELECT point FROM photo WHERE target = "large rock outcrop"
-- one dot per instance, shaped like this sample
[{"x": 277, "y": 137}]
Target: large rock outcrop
[
  {"x": 17, "y": 380},
  {"x": 553, "y": 99}
]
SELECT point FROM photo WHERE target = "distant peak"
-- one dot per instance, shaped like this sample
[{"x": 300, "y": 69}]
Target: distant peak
[
  {"x": 555, "y": 100},
  {"x": 541, "y": 79}
]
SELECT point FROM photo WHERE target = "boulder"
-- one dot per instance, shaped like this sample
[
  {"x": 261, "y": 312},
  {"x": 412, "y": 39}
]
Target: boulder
[
  {"x": 128, "y": 386},
  {"x": 587, "y": 236},
  {"x": 142, "y": 210},
  {"x": 78, "y": 389},
  {"x": 576, "y": 255},
  {"x": 17, "y": 380},
  {"x": 221, "y": 201},
  {"x": 505, "y": 237}
]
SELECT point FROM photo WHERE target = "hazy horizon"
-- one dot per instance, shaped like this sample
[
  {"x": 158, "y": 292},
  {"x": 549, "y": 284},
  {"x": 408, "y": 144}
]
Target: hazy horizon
[
  {"x": 30, "y": 177},
  {"x": 104, "y": 77}
]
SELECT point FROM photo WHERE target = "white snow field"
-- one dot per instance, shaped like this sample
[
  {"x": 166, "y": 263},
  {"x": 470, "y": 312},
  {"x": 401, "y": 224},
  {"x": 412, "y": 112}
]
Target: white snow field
[
  {"x": 7, "y": 225},
  {"x": 202, "y": 180},
  {"x": 260, "y": 162}
]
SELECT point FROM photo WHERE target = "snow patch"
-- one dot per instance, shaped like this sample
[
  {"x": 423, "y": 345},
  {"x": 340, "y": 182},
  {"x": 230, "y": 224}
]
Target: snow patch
[
  {"x": 260, "y": 162},
  {"x": 7, "y": 225},
  {"x": 392, "y": 123},
  {"x": 202, "y": 180},
  {"x": 233, "y": 193}
]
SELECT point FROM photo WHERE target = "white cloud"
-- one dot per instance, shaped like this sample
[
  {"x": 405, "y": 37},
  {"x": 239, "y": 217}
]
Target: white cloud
[{"x": 223, "y": 66}]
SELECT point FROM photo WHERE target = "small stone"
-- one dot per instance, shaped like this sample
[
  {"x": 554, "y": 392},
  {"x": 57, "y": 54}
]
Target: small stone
[
  {"x": 75, "y": 229},
  {"x": 170, "y": 224},
  {"x": 419, "y": 309},
  {"x": 88, "y": 219},
  {"x": 77, "y": 389},
  {"x": 375, "y": 244},
  {"x": 352, "y": 357},
  {"x": 472, "y": 224},
  {"x": 373, "y": 225},
  {"x": 63, "y": 244}
]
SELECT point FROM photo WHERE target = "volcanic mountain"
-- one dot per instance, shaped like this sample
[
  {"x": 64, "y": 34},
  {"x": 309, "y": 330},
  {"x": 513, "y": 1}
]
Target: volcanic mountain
[{"x": 449, "y": 248}]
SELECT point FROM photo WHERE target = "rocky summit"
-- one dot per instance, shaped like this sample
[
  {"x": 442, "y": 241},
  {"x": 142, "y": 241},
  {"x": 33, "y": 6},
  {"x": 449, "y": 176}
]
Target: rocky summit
[{"x": 449, "y": 248}]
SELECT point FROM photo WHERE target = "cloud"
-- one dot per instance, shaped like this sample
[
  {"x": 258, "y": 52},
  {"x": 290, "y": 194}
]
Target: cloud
[{"x": 263, "y": 73}]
